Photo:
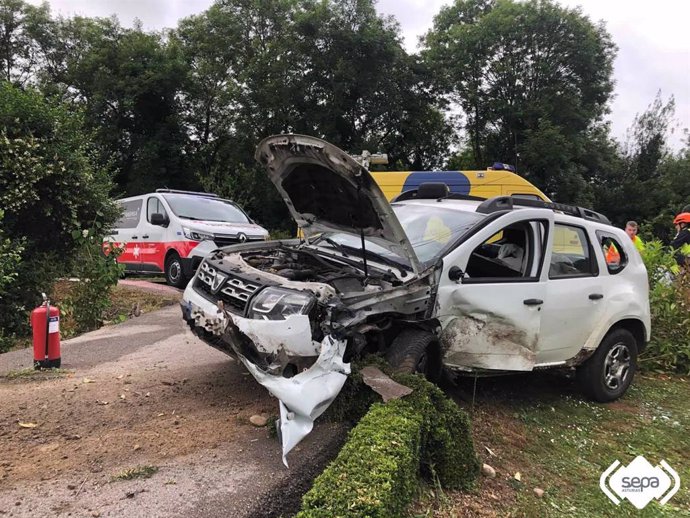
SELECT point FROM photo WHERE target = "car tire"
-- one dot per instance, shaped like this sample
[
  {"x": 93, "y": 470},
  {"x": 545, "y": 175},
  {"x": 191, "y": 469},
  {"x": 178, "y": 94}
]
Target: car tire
[
  {"x": 416, "y": 351},
  {"x": 174, "y": 274},
  {"x": 608, "y": 373}
]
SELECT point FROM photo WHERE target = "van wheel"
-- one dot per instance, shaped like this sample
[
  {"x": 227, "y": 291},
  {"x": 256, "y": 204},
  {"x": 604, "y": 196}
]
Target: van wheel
[
  {"x": 174, "y": 274},
  {"x": 414, "y": 350},
  {"x": 608, "y": 373}
]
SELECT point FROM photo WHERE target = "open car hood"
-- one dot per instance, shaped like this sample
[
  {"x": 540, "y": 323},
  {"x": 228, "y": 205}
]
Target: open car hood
[{"x": 326, "y": 190}]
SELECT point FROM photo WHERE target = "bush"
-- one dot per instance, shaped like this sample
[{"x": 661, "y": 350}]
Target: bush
[
  {"x": 50, "y": 186},
  {"x": 10, "y": 257},
  {"x": 375, "y": 473},
  {"x": 97, "y": 274},
  {"x": 669, "y": 300}
]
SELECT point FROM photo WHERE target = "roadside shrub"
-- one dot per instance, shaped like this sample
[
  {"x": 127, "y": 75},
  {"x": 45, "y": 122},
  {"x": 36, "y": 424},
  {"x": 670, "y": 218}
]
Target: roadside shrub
[
  {"x": 355, "y": 398},
  {"x": 10, "y": 257},
  {"x": 96, "y": 273},
  {"x": 669, "y": 300},
  {"x": 50, "y": 186},
  {"x": 375, "y": 473}
]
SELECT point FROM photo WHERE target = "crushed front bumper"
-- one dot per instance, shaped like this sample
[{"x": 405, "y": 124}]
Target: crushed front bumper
[{"x": 304, "y": 396}]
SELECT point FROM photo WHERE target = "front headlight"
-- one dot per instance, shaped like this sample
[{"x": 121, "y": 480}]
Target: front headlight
[
  {"x": 196, "y": 235},
  {"x": 279, "y": 304}
]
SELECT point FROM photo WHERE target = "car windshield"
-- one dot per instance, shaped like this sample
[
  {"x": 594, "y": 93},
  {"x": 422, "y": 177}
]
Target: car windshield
[
  {"x": 429, "y": 228},
  {"x": 205, "y": 209}
]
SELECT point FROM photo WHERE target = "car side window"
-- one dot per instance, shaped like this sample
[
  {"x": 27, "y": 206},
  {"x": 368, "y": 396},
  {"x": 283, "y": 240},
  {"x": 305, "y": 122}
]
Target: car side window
[
  {"x": 571, "y": 253},
  {"x": 154, "y": 206},
  {"x": 511, "y": 254},
  {"x": 131, "y": 212},
  {"x": 614, "y": 253}
]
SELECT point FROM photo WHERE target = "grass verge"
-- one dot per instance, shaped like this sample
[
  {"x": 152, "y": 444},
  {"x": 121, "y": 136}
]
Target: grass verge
[{"x": 543, "y": 429}]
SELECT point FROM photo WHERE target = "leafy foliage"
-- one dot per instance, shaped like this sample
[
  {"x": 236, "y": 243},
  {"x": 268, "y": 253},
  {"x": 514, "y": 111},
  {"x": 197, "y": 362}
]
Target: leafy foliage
[
  {"x": 532, "y": 78},
  {"x": 375, "y": 473},
  {"x": 97, "y": 274},
  {"x": 21, "y": 31},
  {"x": 126, "y": 82},
  {"x": 648, "y": 182},
  {"x": 49, "y": 186},
  {"x": 10, "y": 257},
  {"x": 669, "y": 300},
  {"x": 332, "y": 69}
]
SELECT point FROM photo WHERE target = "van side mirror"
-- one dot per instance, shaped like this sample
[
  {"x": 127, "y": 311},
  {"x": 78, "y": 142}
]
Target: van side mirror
[
  {"x": 159, "y": 220},
  {"x": 455, "y": 273}
]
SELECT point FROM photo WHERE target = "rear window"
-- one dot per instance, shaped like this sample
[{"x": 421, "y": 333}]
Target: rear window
[
  {"x": 570, "y": 253},
  {"x": 131, "y": 212},
  {"x": 614, "y": 253}
]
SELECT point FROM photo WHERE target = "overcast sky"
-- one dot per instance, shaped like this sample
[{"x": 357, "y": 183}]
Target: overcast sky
[{"x": 652, "y": 36}]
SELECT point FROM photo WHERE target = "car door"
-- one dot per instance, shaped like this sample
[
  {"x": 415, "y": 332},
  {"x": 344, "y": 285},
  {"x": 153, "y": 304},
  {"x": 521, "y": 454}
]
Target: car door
[
  {"x": 490, "y": 295},
  {"x": 125, "y": 234},
  {"x": 574, "y": 295},
  {"x": 153, "y": 237}
]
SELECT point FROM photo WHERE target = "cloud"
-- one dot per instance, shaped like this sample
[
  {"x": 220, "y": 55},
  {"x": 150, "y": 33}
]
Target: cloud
[{"x": 154, "y": 14}]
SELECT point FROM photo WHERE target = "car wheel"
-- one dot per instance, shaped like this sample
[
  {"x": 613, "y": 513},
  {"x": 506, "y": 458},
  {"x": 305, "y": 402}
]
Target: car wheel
[
  {"x": 608, "y": 373},
  {"x": 174, "y": 274},
  {"x": 415, "y": 350}
]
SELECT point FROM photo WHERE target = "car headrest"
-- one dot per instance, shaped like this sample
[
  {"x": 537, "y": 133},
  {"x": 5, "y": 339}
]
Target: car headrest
[{"x": 432, "y": 190}]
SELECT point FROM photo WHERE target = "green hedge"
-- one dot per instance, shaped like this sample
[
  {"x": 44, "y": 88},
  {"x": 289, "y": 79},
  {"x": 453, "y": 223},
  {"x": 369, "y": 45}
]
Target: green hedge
[{"x": 375, "y": 473}]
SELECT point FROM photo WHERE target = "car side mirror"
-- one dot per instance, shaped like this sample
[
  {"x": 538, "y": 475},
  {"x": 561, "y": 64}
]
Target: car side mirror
[
  {"x": 159, "y": 220},
  {"x": 455, "y": 273}
]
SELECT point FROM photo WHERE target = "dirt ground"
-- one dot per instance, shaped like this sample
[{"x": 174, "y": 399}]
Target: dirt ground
[{"x": 145, "y": 393}]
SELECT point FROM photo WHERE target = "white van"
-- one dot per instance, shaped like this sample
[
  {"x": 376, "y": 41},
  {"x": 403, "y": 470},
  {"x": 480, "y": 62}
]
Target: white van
[{"x": 171, "y": 231}]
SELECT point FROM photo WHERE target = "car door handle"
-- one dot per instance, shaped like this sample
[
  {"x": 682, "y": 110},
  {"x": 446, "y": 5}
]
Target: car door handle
[
  {"x": 135, "y": 237},
  {"x": 145, "y": 237},
  {"x": 532, "y": 302},
  {"x": 595, "y": 296}
]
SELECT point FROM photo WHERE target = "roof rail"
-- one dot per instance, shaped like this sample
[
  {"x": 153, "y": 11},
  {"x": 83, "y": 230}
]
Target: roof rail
[
  {"x": 195, "y": 193},
  {"x": 431, "y": 194},
  {"x": 508, "y": 203}
]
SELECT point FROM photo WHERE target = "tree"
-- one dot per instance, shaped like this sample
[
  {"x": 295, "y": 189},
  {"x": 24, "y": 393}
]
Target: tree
[
  {"x": 646, "y": 181},
  {"x": 22, "y": 27},
  {"x": 530, "y": 77},
  {"x": 333, "y": 69},
  {"x": 128, "y": 83},
  {"x": 361, "y": 90}
]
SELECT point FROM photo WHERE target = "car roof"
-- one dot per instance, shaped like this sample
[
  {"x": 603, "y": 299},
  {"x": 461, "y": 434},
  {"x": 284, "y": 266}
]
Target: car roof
[
  {"x": 466, "y": 205},
  {"x": 473, "y": 205},
  {"x": 174, "y": 194}
]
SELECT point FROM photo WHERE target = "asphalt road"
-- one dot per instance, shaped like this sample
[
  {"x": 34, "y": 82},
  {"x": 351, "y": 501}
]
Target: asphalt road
[{"x": 146, "y": 393}]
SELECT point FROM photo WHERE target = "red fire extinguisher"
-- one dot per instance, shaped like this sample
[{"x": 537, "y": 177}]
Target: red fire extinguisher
[{"x": 45, "y": 324}]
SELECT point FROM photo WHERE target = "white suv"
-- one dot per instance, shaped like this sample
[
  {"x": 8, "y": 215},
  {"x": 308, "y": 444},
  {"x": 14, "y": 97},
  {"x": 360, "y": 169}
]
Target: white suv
[{"x": 431, "y": 279}]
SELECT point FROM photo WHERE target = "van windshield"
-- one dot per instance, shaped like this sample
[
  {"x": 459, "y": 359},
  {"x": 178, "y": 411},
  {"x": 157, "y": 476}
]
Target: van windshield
[{"x": 205, "y": 209}]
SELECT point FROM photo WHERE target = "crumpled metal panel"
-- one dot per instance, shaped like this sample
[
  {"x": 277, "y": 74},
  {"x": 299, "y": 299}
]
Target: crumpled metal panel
[
  {"x": 307, "y": 395},
  {"x": 383, "y": 385},
  {"x": 292, "y": 335}
]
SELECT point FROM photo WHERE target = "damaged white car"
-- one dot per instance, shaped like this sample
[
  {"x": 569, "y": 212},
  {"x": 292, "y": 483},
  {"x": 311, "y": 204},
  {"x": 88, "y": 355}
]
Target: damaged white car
[{"x": 432, "y": 279}]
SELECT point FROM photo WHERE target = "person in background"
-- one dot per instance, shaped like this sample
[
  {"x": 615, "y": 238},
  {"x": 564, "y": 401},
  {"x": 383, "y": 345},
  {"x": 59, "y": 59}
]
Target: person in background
[
  {"x": 681, "y": 243},
  {"x": 631, "y": 229}
]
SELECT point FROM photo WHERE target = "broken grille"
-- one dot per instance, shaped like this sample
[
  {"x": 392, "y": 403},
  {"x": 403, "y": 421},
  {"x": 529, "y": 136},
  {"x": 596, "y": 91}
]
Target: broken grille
[{"x": 229, "y": 288}]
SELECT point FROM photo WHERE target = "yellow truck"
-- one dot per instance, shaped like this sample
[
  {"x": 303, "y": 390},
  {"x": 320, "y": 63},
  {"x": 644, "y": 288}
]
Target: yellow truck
[{"x": 494, "y": 181}]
